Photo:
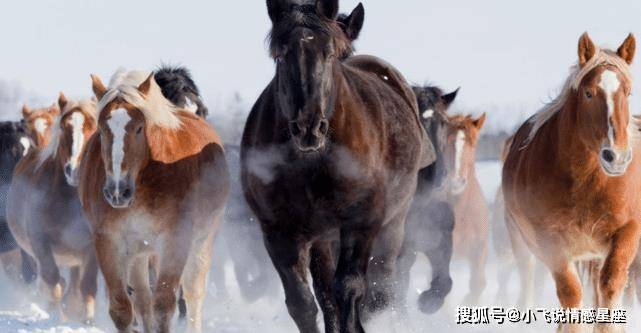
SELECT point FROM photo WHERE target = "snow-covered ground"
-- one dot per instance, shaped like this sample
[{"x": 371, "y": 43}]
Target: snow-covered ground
[{"x": 20, "y": 311}]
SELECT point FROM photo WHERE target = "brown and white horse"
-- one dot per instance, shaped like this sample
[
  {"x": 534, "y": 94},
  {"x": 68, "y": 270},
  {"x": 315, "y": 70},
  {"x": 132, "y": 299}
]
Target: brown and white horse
[
  {"x": 572, "y": 177},
  {"x": 44, "y": 213},
  {"x": 153, "y": 182},
  {"x": 471, "y": 229},
  {"x": 38, "y": 123}
]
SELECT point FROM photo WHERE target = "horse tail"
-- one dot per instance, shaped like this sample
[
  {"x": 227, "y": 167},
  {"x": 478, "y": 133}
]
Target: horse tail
[{"x": 178, "y": 86}]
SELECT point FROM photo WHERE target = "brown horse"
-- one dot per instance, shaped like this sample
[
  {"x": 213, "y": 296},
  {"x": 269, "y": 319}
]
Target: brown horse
[
  {"x": 571, "y": 183},
  {"x": 44, "y": 214},
  {"x": 471, "y": 214},
  {"x": 331, "y": 148},
  {"x": 38, "y": 123},
  {"x": 153, "y": 183}
]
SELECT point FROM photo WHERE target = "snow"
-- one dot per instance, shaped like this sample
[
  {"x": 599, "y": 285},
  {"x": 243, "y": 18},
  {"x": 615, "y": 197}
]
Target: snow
[{"x": 21, "y": 312}]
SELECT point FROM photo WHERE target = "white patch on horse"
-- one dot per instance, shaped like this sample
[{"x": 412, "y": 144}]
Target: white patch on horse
[
  {"x": 459, "y": 144},
  {"x": 190, "y": 106},
  {"x": 428, "y": 113},
  {"x": 26, "y": 144},
  {"x": 117, "y": 123},
  {"x": 40, "y": 125},
  {"x": 77, "y": 122},
  {"x": 610, "y": 84}
]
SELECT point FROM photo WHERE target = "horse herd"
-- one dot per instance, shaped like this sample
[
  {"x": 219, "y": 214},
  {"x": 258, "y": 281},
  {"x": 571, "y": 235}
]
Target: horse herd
[{"x": 349, "y": 171}]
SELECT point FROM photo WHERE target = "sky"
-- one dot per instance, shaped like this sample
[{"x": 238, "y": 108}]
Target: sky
[{"x": 508, "y": 57}]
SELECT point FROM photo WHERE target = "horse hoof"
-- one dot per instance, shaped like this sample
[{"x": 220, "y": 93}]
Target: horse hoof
[{"x": 429, "y": 302}]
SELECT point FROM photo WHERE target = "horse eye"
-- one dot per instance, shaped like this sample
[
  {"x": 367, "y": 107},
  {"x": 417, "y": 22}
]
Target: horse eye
[
  {"x": 588, "y": 94},
  {"x": 139, "y": 130}
]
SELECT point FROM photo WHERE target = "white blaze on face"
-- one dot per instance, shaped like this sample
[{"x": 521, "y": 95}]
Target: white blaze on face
[
  {"x": 26, "y": 144},
  {"x": 190, "y": 106},
  {"x": 610, "y": 84},
  {"x": 41, "y": 125},
  {"x": 117, "y": 123},
  {"x": 428, "y": 113},
  {"x": 77, "y": 123},
  {"x": 459, "y": 145}
]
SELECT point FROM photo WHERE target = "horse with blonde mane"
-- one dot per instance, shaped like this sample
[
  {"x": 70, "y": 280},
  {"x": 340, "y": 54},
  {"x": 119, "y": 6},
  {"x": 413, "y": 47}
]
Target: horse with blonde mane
[
  {"x": 153, "y": 183},
  {"x": 572, "y": 176},
  {"x": 50, "y": 225},
  {"x": 38, "y": 123}
]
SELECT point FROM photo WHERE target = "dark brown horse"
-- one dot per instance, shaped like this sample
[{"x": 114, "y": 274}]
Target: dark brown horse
[{"x": 331, "y": 148}]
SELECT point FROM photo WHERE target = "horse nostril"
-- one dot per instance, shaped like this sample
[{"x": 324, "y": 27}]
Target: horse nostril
[
  {"x": 106, "y": 193},
  {"x": 126, "y": 194},
  {"x": 67, "y": 169},
  {"x": 294, "y": 129},
  {"x": 608, "y": 155},
  {"x": 323, "y": 126}
]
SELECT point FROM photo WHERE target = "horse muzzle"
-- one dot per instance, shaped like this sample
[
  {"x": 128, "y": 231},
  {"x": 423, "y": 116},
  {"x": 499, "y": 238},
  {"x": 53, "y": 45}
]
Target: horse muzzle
[
  {"x": 309, "y": 137},
  {"x": 119, "y": 194},
  {"x": 71, "y": 174},
  {"x": 615, "y": 162}
]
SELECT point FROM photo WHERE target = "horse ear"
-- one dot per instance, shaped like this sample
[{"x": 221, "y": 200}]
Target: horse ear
[
  {"x": 587, "y": 49},
  {"x": 97, "y": 86},
  {"x": 478, "y": 123},
  {"x": 145, "y": 87},
  {"x": 627, "y": 49},
  {"x": 275, "y": 10},
  {"x": 26, "y": 111},
  {"x": 327, "y": 8},
  {"x": 62, "y": 100},
  {"x": 353, "y": 23},
  {"x": 449, "y": 98}
]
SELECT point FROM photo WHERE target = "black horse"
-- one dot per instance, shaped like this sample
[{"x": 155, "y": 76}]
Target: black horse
[
  {"x": 430, "y": 221},
  {"x": 178, "y": 87},
  {"x": 14, "y": 144},
  {"x": 332, "y": 148}
]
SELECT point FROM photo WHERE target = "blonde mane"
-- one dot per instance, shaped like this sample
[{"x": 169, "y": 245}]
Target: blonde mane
[
  {"x": 577, "y": 73},
  {"x": 156, "y": 109},
  {"x": 87, "y": 106}
]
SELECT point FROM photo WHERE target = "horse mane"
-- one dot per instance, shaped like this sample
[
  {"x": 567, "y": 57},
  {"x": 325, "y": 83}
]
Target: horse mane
[
  {"x": 577, "y": 73},
  {"x": 87, "y": 106},
  {"x": 305, "y": 16},
  {"x": 155, "y": 107},
  {"x": 178, "y": 86}
]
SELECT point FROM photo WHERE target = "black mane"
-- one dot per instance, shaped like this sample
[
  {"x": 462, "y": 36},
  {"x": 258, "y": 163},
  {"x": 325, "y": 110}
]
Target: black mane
[{"x": 177, "y": 85}]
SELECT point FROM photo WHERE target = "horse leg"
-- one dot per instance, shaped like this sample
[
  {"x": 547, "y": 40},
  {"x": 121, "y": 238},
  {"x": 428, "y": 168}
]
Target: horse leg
[
  {"x": 439, "y": 252},
  {"x": 89, "y": 287},
  {"x": 290, "y": 260},
  {"x": 381, "y": 273},
  {"x": 49, "y": 273},
  {"x": 29, "y": 267},
  {"x": 139, "y": 281},
  {"x": 349, "y": 280},
  {"x": 114, "y": 266},
  {"x": 569, "y": 291},
  {"x": 172, "y": 261},
  {"x": 477, "y": 261},
  {"x": 322, "y": 266},
  {"x": 504, "y": 272},
  {"x": 614, "y": 273},
  {"x": 194, "y": 281},
  {"x": 525, "y": 262},
  {"x": 406, "y": 260},
  {"x": 72, "y": 300}
]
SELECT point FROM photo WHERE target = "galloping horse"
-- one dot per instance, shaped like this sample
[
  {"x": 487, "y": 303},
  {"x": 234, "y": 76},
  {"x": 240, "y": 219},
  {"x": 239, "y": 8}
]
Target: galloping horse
[
  {"x": 50, "y": 225},
  {"x": 153, "y": 182},
  {"x": 331, "y": 148},
  {"x": 14, "y": 144},
  {"x": 38, "y": 123},
  {"x": 431, "y": 218},
  {"x": 471, "y": 230},
  {"x": 572, "y": 177}
]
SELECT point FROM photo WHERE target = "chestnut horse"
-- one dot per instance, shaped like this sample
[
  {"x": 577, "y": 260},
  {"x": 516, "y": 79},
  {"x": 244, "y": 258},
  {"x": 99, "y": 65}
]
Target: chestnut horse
[
  {"x": 571, "y": 183},
  {"x": 430, "y": 221},
  {"x": 153, "y": 183},
  {"x": 471, "y": 230},
  {"x": 38, "y": 123},
  {"x": 331, "y": 148},
  {"x": 50, "y": 225}
]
